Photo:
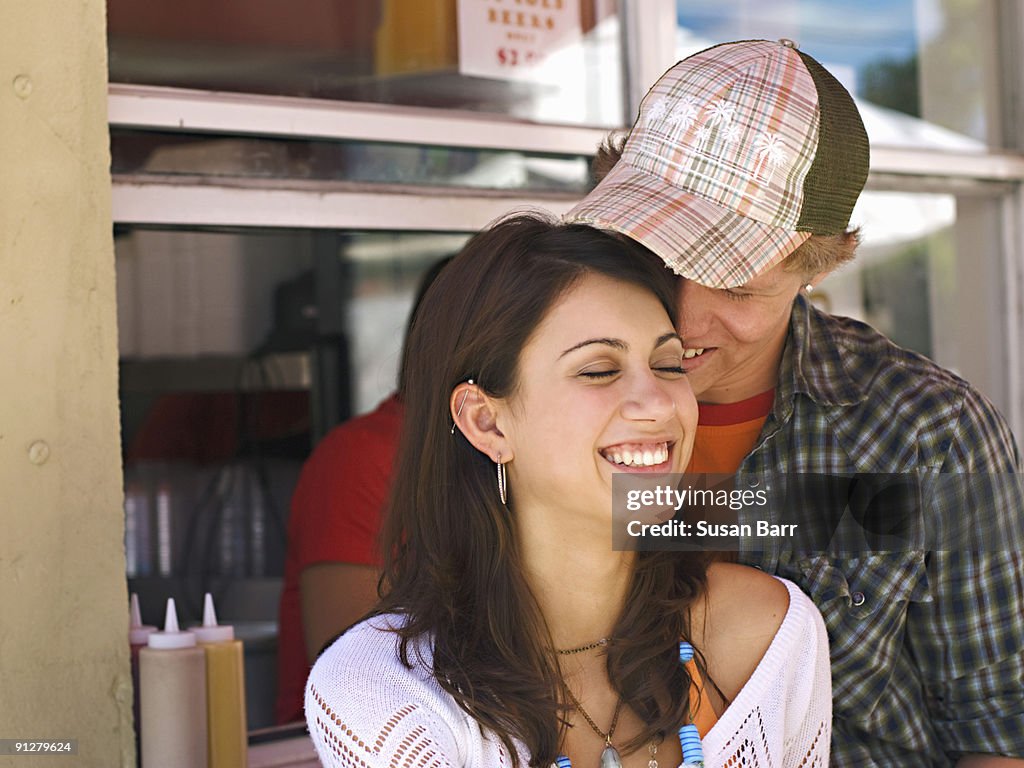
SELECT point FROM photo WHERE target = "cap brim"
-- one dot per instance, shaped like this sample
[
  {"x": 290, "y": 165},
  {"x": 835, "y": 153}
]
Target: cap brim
[{"x": 697, "y": 239}]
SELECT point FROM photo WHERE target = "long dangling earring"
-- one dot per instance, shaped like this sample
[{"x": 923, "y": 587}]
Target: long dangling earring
[{"x": 502, "y": 483}]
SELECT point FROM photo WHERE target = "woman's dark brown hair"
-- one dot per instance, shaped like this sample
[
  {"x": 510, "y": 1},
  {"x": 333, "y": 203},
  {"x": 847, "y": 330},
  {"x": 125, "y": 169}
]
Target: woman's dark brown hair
[{"x": 452, "y": 562}]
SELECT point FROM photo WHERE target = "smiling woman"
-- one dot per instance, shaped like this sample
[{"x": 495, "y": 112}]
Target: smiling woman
[
  {"x": 542, "y": 361},
  {"x": 599, "y": 392}
]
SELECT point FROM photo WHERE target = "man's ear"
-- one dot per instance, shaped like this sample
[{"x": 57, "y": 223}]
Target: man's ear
[
  {"x": 476, "y": 416},
  {"x": 815, "y": 279}
]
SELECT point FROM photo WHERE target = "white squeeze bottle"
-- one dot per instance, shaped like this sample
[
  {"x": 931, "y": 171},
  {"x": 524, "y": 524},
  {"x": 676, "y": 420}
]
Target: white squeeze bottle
[
  {"x": 138, "y": 638},
  {"x": 172, "y": 698},
  {"x": 225, "y": 690}
]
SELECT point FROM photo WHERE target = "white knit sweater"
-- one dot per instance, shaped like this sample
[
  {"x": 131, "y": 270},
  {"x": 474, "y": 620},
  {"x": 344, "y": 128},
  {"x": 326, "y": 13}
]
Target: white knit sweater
[{"x": 365, "y": 709}]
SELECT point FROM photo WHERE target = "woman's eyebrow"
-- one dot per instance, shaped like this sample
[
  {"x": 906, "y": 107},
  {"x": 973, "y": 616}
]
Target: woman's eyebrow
[
  {"x": 614, "y": 343},
  {"x": 621, "y": 345}
]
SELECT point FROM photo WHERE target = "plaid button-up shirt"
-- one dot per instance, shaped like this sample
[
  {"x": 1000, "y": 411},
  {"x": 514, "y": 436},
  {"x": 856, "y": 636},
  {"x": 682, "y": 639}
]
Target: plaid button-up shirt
[{"x": 927, "y": 647}]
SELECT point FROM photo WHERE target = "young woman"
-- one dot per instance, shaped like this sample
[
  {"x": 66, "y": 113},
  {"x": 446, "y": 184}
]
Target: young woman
[{"x": 543, "y": 361}]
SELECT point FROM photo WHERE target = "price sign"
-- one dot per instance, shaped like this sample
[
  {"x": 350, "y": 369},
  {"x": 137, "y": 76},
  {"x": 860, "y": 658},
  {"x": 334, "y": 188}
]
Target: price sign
[
  {"x": 516, "y": 57},
  {"x": 536, "y": 41}
]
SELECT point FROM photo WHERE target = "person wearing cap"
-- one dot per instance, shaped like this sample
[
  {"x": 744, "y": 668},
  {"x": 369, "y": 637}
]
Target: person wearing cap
[{"x": 741, "y": 173}]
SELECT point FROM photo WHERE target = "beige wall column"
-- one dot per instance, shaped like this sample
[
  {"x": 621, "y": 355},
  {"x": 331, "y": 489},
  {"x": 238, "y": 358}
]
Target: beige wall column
[{"x": 63, "y": 651}]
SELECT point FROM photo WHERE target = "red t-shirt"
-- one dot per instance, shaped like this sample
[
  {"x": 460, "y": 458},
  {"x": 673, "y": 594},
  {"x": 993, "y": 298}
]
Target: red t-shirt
[
  {"x": 727, "y": 433},
  {"x": 335, "y": 517}
]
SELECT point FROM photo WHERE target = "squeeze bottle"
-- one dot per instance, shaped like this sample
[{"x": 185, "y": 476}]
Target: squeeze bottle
[
  {"x": 172, "y": 698},
  {"x": 138, "y": 636},
  {"x": 225, "y": 690}
]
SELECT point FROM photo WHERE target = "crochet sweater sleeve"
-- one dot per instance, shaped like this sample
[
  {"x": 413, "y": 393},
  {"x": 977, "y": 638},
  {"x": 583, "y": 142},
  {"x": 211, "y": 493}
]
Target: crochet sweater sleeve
[
  {"x": 783, "y": 714},
  {"x": 366, "y": 709}
]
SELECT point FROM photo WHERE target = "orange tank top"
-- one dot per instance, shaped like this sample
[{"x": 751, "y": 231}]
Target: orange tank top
[{"x": 704, "y": 715}]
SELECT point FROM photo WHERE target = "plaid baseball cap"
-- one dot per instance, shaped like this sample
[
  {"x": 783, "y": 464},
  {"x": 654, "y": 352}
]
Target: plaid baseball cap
[{"x": 739, "y": 154}]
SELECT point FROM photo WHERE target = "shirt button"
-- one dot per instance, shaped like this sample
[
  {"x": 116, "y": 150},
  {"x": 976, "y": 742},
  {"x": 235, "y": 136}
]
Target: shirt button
[{"x": 858, "y": 599}]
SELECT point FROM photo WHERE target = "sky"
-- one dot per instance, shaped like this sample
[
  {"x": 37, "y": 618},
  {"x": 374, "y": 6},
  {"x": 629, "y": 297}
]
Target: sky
[{"x": 840, "y": 33}]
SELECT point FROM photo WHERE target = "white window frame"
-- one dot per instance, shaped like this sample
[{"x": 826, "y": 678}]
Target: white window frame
[
  {"x": 648, "y": 32},
  {"x": 244, "y": 202}
]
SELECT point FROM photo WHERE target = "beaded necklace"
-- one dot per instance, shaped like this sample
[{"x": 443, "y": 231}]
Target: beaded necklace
[
  {"x": 689, "y": 737},
  {"x": 588, "y": 647}
]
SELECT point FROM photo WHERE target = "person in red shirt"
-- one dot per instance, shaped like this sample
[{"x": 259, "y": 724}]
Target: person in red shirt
[{"x": 332, "y": 564}]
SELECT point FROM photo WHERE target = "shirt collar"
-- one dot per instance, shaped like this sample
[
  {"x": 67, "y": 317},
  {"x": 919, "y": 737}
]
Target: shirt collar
[{"x": 812, "y": 362}]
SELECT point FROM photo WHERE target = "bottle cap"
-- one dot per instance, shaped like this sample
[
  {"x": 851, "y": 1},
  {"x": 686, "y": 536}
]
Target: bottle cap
[
  {"x": 171, "y": 637},
  {"x": 211, "y": 631},
  {"x": 138, "y": 633}
]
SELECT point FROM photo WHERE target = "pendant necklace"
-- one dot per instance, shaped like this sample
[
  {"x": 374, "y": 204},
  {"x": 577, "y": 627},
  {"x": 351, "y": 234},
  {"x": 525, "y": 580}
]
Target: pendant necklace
[
  {"x": 689, "y": 737},
  {"x": 609, "y": 755}
]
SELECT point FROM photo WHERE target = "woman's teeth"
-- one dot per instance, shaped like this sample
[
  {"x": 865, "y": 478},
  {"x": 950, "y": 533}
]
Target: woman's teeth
[
  {"x": 690, "y": 352},
  {"x": 639, "y": 456}
]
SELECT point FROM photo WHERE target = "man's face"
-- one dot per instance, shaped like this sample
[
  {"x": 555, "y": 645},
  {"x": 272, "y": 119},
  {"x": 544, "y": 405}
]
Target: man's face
[{"x": 742, "y": 332}]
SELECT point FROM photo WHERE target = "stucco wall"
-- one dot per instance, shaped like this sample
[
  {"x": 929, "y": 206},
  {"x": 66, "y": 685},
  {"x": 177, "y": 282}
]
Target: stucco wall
[{"x": 63, "y": 655}]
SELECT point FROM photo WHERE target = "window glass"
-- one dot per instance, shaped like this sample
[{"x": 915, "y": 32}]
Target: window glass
[
  {"x": 546, "y": 60},
  {"x": 925, "y": 72},
  {"x": 925, "y": 275},
  {"x": 386, "y": 270},
  {"x": 165, "y": 153},
  {"x": 234, "y": 345},
  {"x": 222, "y": 304}
]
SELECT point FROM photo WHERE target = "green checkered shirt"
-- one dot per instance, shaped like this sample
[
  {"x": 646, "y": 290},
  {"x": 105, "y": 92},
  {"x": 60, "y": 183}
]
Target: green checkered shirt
[{"x": 927, "y": 647}]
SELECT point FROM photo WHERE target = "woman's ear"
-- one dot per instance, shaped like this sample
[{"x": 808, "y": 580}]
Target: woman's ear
[{"x": 475, "y": 415}]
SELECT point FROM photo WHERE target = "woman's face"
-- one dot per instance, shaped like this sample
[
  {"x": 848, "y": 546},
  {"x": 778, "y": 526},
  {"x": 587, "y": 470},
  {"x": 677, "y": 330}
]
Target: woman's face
[{"x": 600, "y": 390}]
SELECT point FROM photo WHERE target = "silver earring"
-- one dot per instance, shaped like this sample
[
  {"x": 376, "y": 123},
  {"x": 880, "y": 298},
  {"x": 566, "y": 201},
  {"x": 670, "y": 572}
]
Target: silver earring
[
  {"x": 809, "y": 288},
  {"x": 502, "y": 483},
  {"x": 465, "y": 394}
]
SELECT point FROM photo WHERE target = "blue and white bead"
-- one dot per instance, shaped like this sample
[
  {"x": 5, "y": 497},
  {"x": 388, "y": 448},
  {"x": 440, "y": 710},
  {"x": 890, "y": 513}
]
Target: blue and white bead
[
  {"x": 685, "y": 652},
  {"x": 689, "y": 740}
]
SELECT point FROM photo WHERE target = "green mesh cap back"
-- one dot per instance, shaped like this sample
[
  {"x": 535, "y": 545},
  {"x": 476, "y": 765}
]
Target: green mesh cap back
[{"x": 840, "y": 166}]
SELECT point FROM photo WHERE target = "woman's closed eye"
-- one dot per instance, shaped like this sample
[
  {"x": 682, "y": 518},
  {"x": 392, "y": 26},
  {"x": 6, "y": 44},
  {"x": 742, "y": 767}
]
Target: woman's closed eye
[
  {"x": 673, "y": 370},
  {"x": 605, "y": 371},
  {"x": 669, "y": 366}
]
